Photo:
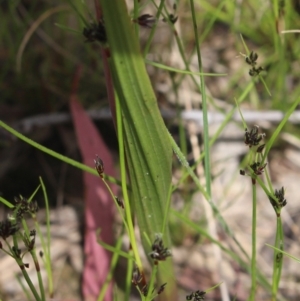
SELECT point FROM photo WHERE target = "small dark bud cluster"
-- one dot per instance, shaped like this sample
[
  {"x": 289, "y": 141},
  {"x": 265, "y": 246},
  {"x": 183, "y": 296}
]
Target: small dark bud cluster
[
  {"x": 8, "y": 228},
  {"x": 139, "y": 281},
  {"x": 159, "y": 252},
  {"x": 145, "y": 289},
  {"x": 119, "y": 202},
  {"x": 99, "y": 166},
  {"x": 279, "y": 201},
  {"x": 252, "y": 60},
  {"x": 11, "y": 226},
  {"x": 145, "y": 20},
  {"x": 253, "y": 138},
  {"x": 257, "y": 168},
  {"x": 95, "y": 32},
  {"x": 16, "y": 252},
  {"x": 161, "y": 288},
  {"x": 280, "y": 196},
  {"x": 29, "y": 241},
  {"x": 23, "y": 206},
  {"x": 196, "y": 296},
  {"x": 242, "y": 172},
  {"x": 171, "y": 18},
  {"x": 136, "y": 276},
  {"x": 279, "y": 257}
]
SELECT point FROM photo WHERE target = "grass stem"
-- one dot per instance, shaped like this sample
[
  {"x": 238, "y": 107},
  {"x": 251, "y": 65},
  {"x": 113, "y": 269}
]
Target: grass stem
[{"x": 253, "y": 257}]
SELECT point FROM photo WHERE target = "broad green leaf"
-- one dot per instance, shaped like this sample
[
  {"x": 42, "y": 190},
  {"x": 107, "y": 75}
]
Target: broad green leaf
[{"x": 147, "y": 144}]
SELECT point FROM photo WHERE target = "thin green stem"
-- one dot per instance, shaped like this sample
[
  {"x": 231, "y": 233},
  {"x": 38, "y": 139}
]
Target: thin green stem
[
  {"x": 279, "y": 128},
  {"x": 278, "y": 258},
  {"x": 24, "y": 288},
  {"x": 6, "y": 203},
  {"x": 204, "y": 105},
  {"x": 28, "y": 280},
  {"x": 147, "y": 47},
  {"x": 245, "y": 264},
  {"x": 128, "y": 279},
  {"x": 113, "y": 249},
  {"x": 26, "y": 236},
  {"x": 253, "y": 257},
  {"x": 269, "y": 181},
  {"x": 216, "y": 135},
  {"x": 262, "y": 185},
  {"x": 118, "y": 206},
  {"x": 182, "y": 134},
  {"x": 47, "y": 245},
  {"x": 38, "y": 272},
  {"x": 149, "y": 296},
  {"x": 23, "y": 270},
  {"x": 167, "y": 210},
  {"x": 218, "y": 215},
  {"x": 185, "y": 163},
  {"x": 109, "y": 277}
]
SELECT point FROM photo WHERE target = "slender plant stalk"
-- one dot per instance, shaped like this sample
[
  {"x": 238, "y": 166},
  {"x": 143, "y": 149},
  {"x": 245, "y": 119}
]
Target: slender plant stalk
[
  {"x": 26, "y": 235},
  {"x": 6, "y": 203},
  {"x": 24, "y": 272},
  {"x": 149, "y": 296},
  {"x": 129, "y": 272},
  {"x": 279, "y": 127},
  {"x": 25, "y": 289},
  {"x": 47, "y": 246},
  {"x": 38, "y": 271},
  {"x": 253, "y": 258},
  {"x": 159, "y": 10},
  {"x": 112, "y": 249},
  {"x": 204, "y": 106},
  {"x": 109, "y": 277},
  {"x": 278, "y": 258},
  {"x": 29, "y": 282},
  {"x": 245, "y": 264}
]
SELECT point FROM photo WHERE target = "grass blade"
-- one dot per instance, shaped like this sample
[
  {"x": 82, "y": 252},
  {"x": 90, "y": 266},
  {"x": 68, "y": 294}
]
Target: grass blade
[{"x": 147, "y": 147}]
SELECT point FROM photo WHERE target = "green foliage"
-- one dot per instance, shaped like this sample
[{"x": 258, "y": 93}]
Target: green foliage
[
  {"x": 23, "y": 241},
  {"x": 267, "y": 77}
]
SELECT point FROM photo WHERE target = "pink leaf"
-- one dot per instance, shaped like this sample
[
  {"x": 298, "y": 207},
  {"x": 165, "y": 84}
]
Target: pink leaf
[{"x": 98, "y": 203}]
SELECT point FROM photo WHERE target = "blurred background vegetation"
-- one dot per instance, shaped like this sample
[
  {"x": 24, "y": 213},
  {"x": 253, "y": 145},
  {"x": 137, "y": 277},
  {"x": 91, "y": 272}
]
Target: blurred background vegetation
[{"x": 38, "y": 60}]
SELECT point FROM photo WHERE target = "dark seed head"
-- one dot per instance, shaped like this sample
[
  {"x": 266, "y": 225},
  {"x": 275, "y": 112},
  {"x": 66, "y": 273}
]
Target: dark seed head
[
  {"x": 95, "y": 32},
  {"x": 8, "y": 228},
  {"x": 99, "y": 166},
  {"x": 252, "y": 137},
  {"x": 24, "y": 206},
  {"x": 260, "y": 148},
  {"x": 161, "y": 289},
  {"x": 145, "y": 20},
  {"x": 196, "y": 296},
  {"x": 136, "y": 276},
  {"x": 159, "y": 252}
]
